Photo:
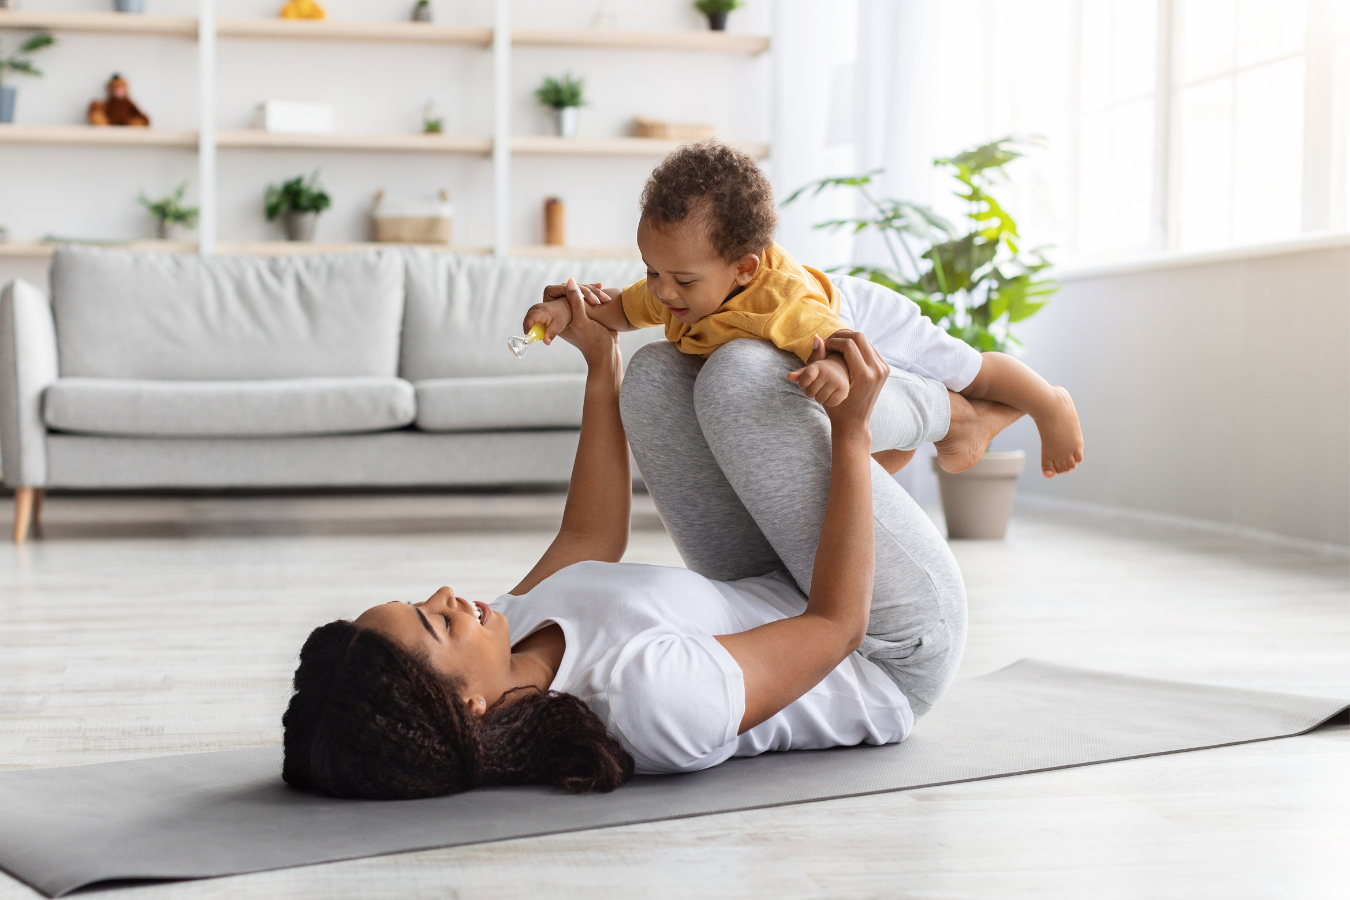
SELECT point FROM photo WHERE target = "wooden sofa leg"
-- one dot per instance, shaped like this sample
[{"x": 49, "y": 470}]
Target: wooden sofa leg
[
  {"x": 23, "y": 512},
  {"x": 39, "y": 495}
]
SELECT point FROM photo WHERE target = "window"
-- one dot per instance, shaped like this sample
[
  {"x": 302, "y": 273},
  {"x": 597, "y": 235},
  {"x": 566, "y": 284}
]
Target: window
[{"x": 1171, "y": 124}]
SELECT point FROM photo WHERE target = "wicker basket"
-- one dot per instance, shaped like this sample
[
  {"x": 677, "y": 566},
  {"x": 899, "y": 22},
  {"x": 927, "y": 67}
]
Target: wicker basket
[
  {"x": 412, "y": 223},
  {"x": 669, "y": 131}
]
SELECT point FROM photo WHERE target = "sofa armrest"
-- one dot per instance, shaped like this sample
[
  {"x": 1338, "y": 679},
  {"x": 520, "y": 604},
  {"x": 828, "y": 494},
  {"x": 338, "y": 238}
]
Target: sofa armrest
[{"x": 27, "y": 366}]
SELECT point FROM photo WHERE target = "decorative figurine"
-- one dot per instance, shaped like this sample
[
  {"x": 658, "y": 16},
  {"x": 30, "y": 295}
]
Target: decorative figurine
[
  {"x": 303, "y": 9},
  {"x": 118, "y": 108}
]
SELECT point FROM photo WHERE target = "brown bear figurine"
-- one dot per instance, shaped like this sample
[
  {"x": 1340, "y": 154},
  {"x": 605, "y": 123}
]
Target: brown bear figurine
[{"x": 118, "y": 108}]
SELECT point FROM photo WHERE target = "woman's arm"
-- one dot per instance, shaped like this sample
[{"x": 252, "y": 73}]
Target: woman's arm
[
  {"x": 600, "y": 494},
  {"x": 783, "y": 660}
]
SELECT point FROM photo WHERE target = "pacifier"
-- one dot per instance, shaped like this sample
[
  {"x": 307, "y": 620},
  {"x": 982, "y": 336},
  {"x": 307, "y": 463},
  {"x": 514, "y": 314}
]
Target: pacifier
[{"x": 520, "y": 345}]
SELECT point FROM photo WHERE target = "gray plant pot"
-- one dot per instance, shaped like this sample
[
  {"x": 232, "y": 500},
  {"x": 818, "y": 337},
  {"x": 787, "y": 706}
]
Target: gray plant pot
[
  {"x": 717, "y": 21},
  {"x": 979, "y": 501},
  {"x": 7, "y": 97},
  {"x": 422, "y": 12},
  {"x": 129, "y": 6},
  {"x": 300, "y": 225},
  {"x": 565, "y": 119}
]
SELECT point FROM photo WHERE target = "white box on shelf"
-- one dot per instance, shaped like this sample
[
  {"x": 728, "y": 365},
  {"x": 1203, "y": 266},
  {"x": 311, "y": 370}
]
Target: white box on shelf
[{"x": 291, "y": 117}]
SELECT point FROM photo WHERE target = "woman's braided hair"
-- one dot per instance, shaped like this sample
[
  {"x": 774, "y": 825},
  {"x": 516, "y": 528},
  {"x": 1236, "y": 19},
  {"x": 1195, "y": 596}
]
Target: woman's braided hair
[
  {"x": 720, "y": 184},
  {"x": 370, "y": 720}
]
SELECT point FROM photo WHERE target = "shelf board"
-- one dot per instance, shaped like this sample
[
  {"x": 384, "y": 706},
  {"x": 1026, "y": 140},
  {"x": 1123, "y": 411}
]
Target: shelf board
[
  {"x": 620, "y": 146},
  {"x": 339, "y": 30},
  {"x": 105, "y": 135},
  {"x": 420, "y": 143},
  {"x": 44, "y": 249},
  {"x": 606, "y": 38},
  {"x": 100, "y": 22}
]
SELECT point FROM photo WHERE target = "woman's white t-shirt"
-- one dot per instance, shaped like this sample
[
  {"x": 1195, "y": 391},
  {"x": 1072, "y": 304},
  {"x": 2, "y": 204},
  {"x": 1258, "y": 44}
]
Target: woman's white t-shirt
[{"x": 641, "y": 654}]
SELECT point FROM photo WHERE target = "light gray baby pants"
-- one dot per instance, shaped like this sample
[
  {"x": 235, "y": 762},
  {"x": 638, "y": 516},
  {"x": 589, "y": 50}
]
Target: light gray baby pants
[{"x": 737, "y": 459}]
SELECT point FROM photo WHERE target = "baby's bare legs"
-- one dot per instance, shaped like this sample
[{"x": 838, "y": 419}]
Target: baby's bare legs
[{"x": 974, "y": 424}]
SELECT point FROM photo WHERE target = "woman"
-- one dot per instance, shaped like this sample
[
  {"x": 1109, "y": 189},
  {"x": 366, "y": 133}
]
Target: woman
[{"x": 590, "y": 669}]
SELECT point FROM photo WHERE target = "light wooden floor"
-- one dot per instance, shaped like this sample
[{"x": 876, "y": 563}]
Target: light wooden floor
[{"x": 167, "y": 625}]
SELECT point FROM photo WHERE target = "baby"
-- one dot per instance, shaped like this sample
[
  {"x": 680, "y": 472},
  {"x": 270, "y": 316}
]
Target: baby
[{"x": 714, "y": 274}]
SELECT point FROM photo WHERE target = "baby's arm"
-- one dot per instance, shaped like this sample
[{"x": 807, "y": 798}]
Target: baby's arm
[
  {"x": 1006, "y": 380},
  {"x": 604, "y": 306}
]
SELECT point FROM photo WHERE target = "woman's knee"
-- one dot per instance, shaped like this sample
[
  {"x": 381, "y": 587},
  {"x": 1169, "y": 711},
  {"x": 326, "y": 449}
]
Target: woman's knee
[{"x": 743, "y": 374}]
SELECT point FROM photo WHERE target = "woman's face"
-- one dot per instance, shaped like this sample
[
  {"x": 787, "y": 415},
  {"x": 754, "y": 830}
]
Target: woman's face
[{"x": 466, "y": 641}]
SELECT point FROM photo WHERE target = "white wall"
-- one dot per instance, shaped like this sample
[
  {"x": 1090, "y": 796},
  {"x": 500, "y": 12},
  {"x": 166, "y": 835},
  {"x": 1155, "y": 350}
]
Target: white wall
[{"x": 1215, "y": 389}]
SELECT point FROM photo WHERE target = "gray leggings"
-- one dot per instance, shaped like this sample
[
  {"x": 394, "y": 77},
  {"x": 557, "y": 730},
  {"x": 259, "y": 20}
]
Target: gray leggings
[{"x": 737, "y": 460}]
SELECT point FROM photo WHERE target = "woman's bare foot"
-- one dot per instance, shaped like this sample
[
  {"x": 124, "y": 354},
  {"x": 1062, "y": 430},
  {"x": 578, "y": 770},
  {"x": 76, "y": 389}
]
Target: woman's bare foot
[
  {"x": 974, "y": 424},
  {"x": 1061, "y": 437},
  {"x": 893, "y": 460}
]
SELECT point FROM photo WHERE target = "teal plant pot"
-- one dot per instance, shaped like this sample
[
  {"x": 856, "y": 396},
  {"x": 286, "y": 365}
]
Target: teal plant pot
[{"x": 7, "y": 97}]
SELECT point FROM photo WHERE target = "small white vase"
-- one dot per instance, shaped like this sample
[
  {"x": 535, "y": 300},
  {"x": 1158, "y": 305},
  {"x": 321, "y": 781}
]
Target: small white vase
[{"x": 565, "y": 118}]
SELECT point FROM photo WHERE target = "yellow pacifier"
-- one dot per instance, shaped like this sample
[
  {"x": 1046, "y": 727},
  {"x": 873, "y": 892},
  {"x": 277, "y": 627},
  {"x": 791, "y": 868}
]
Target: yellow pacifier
[{"x": 519, "y": 345}]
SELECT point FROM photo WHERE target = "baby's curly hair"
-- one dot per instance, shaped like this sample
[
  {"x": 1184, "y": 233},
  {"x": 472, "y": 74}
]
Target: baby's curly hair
[{"x": 713, "y": 181}]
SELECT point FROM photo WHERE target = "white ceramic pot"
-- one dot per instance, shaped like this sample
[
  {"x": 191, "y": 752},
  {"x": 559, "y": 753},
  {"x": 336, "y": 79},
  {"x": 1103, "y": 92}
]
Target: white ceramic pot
[
  {"x": 979, "y": 501},
  {"x": 300, "y": 225},
  {"x": 565, "y": 117}
]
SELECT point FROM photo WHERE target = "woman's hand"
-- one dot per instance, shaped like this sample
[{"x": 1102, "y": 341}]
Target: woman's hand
[
  {"x": 594, "y": 340},
  {"x": 867, "y": 374}
]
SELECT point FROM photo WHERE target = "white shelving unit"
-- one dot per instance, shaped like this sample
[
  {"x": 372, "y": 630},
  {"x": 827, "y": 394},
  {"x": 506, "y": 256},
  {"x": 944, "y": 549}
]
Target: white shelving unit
[{"x": 207, "y": 30}]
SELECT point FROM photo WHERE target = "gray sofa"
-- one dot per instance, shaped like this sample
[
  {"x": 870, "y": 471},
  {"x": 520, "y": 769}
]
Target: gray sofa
[{"x": 384, "y": 367}]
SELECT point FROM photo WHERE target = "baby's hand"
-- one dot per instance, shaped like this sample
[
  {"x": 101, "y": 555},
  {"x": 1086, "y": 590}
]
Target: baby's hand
[
  {"x": 825, "y": 378},
  {"x": 554, "y": 315}
]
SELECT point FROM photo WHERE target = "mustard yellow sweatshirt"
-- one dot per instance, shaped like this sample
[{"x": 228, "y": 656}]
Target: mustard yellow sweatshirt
[{"x": 786, "y": 303}]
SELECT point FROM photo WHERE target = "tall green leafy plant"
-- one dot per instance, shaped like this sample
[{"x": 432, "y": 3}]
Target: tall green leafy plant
[
  {"x": 973, "y": 280},
  {"x": 561, "y": 93}
]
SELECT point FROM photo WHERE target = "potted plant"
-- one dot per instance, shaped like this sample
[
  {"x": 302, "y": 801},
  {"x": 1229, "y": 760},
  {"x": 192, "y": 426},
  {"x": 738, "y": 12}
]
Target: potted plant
[
  {"x": 169, "y": 212},
  {"x": 19, "y": 64},
  {"x": 298, "y": 202},
  {"x": 129, "y": 6},
  {"x": 973, "y": 281},
  {"x": 716, "y": 11},
  {"x": 422, "y": 11},
  {"x": 564, "y": 95}
]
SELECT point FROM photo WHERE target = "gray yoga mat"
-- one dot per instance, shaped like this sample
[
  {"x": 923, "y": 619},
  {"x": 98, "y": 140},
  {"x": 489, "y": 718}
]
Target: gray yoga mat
[{"x": 207, "y": 814}]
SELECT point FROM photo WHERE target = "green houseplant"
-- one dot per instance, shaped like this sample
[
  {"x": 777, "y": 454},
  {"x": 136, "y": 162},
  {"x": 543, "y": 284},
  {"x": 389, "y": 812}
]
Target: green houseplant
[
  {"x": 19, "y": 64},
  {"x": 973, "y": 280},
  {"x": 716, "y": 11},
  {"x": 563, "y": 95},
  {"x": 298, "y": 202},
  {"x": 169, "y": 211}
]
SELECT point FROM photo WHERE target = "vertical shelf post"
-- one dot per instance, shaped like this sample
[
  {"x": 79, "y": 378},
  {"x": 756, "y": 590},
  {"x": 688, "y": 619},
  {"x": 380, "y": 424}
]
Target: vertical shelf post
[
  {"x": 501, "y": 128},
  {"x": 206, "y": 126}
]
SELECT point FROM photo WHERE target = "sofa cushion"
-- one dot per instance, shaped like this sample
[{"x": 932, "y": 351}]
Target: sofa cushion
[
  {"x": 461, "y": 309},
  {"x": 289, "y": 407},
  {"x": 496, "y": 403},
  {"x": 124, "y": 314}
]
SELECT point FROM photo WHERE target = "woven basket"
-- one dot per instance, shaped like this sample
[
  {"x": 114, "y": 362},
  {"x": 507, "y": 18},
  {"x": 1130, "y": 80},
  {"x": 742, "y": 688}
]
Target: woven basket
[{"x": 669, "y": 131}]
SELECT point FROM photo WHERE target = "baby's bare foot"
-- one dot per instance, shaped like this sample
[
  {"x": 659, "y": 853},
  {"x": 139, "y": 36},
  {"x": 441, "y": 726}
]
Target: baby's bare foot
[
  {"x": 1061, "y": 437},
  {"x": 893, "y": 460},
  {"x": 974, "y": 424}
]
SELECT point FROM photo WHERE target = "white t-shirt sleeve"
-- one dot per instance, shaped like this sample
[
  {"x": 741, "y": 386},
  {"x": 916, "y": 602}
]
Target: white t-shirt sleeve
[
  {"x": 676, "y": 702},
  {"x": 903, "y": 336}
]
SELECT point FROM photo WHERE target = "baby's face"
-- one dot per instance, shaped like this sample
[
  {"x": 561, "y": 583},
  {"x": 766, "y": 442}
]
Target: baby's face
[{"x": 685, "y": 273}]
